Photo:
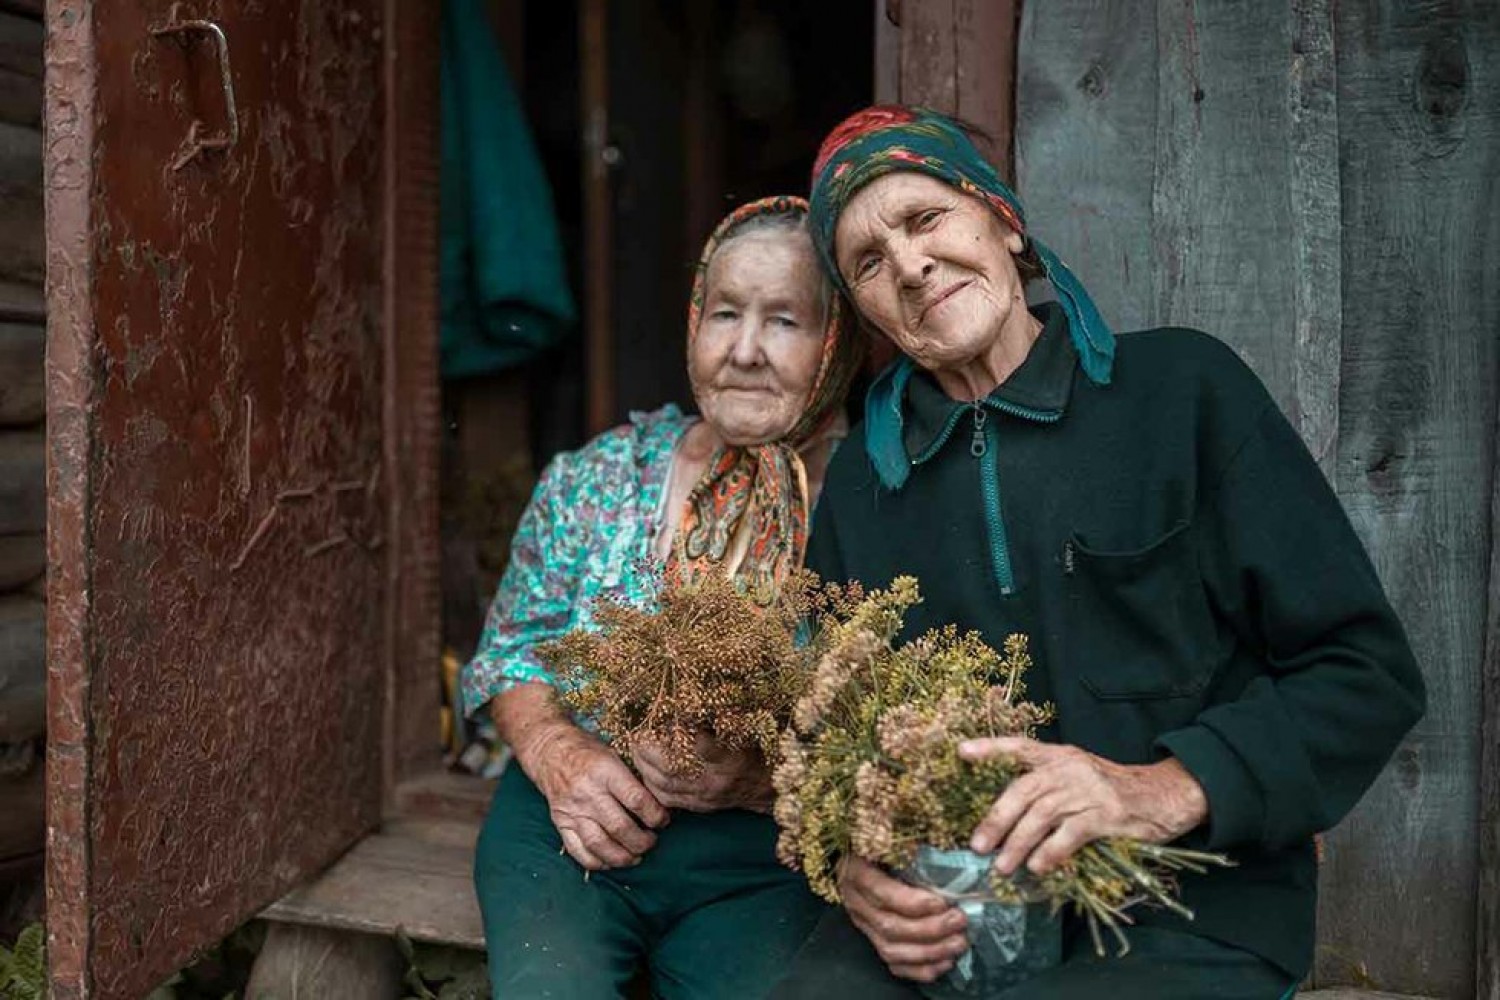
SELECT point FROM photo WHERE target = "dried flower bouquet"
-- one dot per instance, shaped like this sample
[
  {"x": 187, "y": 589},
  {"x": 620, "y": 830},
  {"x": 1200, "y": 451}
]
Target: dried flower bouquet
[
  {"x": 706, "y": 658},
  {"x": 870, "y": 766}
]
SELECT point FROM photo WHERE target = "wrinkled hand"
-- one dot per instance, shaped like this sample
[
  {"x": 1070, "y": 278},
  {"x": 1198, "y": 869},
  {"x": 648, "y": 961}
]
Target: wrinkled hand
[
  {"x": 1069, "y": 797},
  {"x": 730, "y": 779},
  {"x": 604, "y": 814},
  {"x": 917, "y": 933}
]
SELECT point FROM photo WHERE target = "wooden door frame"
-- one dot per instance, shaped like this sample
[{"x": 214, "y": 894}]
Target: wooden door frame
[
  {"x": 956, "y": 57},
  {"x": 413, "y": 405}
]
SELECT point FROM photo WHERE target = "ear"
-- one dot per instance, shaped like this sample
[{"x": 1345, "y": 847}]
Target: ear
[{"x": 1014, "y": 242}]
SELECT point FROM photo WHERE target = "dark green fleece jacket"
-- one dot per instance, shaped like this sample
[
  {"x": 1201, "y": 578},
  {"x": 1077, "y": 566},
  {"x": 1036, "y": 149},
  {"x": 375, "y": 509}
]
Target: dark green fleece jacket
[{"x": 1190, "y": 584}]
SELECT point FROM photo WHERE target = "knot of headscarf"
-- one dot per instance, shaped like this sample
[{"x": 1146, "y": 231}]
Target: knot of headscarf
[
  {"x": 748, "y": 514},
  {"x": 887, "y": 138}
]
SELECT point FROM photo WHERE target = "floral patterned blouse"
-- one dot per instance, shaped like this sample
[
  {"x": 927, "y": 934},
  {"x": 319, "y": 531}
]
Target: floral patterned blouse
[{"x": 587, "y": 532}]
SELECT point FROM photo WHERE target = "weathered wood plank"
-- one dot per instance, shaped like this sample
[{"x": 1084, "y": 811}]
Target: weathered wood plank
[
  {"x": 887, "y": 53},
  {"x": 1085, "y": 128},
  {"x": 21, "y": 255},
  {"x": 21, "y": 40},
  {"x": 23, "y": 669},
  {"x": 23, "y": 559},
  {"x": 417, "y": 875},
  {"x": 328, "y": 964},
  {"x": 444, "y": 795},
  {"x": 1221, "y": 203},
  {"x": 1316, "y": 243},
  {"x": 23, "y": 396},
  {"x": 959, "y": 57},
  {"x": 929, "y": 70},
  {"x": 1487, "y": 917},
  {"x": 23, "y": 487},
  {"x": 1419, "y": 136}
]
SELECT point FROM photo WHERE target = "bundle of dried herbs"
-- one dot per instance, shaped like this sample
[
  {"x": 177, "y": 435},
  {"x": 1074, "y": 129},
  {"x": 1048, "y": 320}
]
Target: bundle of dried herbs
[
  {"x": 870, "y": 765},
  {"x": 706, "y": 658}
]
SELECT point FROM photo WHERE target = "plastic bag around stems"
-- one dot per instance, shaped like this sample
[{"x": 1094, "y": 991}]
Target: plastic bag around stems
[{"x": 1008, "y": 942}]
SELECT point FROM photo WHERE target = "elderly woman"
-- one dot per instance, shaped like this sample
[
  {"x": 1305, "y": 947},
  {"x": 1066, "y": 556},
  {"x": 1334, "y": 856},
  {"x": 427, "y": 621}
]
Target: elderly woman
[
  {"x": 585, "y": 868},
  {"x": 1225, "y": 666}
]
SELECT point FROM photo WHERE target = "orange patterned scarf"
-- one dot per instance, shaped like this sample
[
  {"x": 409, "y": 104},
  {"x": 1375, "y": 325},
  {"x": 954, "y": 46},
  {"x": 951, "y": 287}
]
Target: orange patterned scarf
[{"x": 755, "y": 498}]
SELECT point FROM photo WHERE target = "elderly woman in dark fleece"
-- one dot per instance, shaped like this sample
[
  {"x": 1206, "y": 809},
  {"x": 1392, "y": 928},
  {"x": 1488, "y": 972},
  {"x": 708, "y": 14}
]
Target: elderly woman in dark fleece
[{"x": 1226, "y": 669}]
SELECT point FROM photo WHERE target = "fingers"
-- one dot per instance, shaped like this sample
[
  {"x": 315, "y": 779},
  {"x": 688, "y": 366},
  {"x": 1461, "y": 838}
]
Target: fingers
[
  {"x": 634, "y": 796},
  {"x": 915, "y": 932},
  {"x": 915, "y": 940},
  {"x": 621, "y": 826},
  {"x": 1035, "y": 825},
  {"x": 602, "y": 845},
  {"x": 573, "y": 844},
  {"x": 1065, "y": 841},
  {"x": 921, "y": 973},
  {"x": 1028, "y": 752},
  {"x": 866, "y": 882},
  {"x": 1007, "y": 810}
]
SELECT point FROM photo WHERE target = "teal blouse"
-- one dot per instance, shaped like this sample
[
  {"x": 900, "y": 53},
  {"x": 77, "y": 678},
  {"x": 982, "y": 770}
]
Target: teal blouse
[{"x": 587, "y": 533}]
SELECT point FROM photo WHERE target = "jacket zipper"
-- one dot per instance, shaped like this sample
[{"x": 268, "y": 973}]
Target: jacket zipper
[{"x": 983, "y": 446}]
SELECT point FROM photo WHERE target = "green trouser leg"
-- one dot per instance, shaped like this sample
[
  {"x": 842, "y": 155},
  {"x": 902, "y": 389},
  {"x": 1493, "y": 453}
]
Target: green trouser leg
[
  {"x": 737, "y": 947},
  {"x": 708, "y": 910},
  {"x": 549, "y": 933},
  {"x": 838, "y": 961}
]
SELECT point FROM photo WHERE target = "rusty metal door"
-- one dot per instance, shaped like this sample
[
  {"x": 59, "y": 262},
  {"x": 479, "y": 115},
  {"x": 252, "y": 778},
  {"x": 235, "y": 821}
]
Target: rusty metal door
[{"x": 217, "y": 592}]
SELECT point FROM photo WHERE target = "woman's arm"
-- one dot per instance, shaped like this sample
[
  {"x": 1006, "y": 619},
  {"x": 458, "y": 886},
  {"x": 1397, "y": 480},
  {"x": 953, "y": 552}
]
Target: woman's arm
[
  {"x": 603, "y": 813},
  {"x": 594, "y": 800}
]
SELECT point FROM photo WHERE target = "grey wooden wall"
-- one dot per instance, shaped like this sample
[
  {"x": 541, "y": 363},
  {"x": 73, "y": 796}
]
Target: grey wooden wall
[{"x": 1318, "y": 183}]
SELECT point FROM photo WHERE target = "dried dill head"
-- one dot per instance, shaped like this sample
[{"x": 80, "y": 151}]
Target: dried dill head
[
  {"x": 706, "y": 658},
  {"x": 870, "y": 767}
]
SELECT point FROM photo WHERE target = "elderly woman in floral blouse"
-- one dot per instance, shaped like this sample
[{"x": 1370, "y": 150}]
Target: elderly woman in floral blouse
[{"x": 586, "y": 869}]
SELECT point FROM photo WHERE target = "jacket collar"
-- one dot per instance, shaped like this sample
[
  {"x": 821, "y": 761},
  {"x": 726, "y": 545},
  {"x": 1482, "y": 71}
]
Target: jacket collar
[{"x": 908, "y": 417}]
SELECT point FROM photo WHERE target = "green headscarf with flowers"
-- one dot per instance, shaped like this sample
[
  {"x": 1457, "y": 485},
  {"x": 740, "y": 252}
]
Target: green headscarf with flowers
[{"x": 887, "y": 138}]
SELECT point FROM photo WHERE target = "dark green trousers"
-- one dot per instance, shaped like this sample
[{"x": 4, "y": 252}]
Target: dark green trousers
[
  {"x": 708, "y": 912},
  {"x": 839, "y": 961}
]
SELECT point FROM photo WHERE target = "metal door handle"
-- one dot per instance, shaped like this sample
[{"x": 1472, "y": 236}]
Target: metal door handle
[{"x": 196, "y": 141}]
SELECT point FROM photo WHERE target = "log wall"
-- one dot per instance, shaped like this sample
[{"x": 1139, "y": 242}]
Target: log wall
[{"x": 22, "y": 414}]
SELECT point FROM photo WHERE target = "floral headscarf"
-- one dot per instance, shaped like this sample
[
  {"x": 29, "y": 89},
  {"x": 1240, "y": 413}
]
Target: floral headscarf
[
  {"x": 887, "y": 138},
  {"x": 760, "y": 489}
]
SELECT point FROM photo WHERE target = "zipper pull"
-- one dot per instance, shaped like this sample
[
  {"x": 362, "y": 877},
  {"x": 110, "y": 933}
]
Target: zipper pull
[
  {"x": 978, "y": 445},
  {"x": 1068, "y": 557}
]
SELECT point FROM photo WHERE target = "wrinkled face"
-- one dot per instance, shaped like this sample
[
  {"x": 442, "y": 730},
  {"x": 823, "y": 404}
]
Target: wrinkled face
[
  {"x": 931, "y": 267},
  {"x": 760, "y": 336}
]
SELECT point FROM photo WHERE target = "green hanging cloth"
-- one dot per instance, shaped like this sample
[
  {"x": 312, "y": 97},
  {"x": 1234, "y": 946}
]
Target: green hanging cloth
[{"x": 503, "y": 286}]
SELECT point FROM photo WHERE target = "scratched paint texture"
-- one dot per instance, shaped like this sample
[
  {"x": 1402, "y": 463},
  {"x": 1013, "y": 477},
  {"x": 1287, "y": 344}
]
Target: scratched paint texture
[{"x": 216, "y": 484}]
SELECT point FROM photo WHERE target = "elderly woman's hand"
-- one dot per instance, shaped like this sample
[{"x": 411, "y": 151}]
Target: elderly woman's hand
[
  {"x": 604, "y": 814},
  {"x": 730, "y": 779},
  {"x": 917, "y": 933},
  {"x": 1069, "y": 797}
]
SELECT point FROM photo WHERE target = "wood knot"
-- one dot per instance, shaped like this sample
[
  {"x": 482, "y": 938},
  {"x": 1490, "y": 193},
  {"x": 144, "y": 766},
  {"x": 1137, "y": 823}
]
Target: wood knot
[
  {"x": 1092, "y": 82},
  {"x": 1442, "y": 80},
  {"x": 1408, "y": 768}
]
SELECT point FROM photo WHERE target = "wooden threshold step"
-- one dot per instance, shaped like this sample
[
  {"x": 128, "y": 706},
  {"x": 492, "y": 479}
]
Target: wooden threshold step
[{"x": 415, "y": 874}]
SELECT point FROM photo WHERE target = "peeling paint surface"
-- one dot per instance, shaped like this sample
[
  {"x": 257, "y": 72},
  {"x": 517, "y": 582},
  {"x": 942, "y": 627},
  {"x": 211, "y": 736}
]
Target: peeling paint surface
[{"x": 217, "y": 493}]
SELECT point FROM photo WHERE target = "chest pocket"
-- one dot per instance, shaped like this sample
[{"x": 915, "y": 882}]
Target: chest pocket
[{"x": 1139, "y": 622}]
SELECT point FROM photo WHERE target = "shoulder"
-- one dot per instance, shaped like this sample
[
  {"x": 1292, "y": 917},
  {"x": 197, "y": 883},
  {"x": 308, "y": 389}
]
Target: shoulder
[
  {"x": 646, "y": 439},
  {"x": 1175, "y": 361}
]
